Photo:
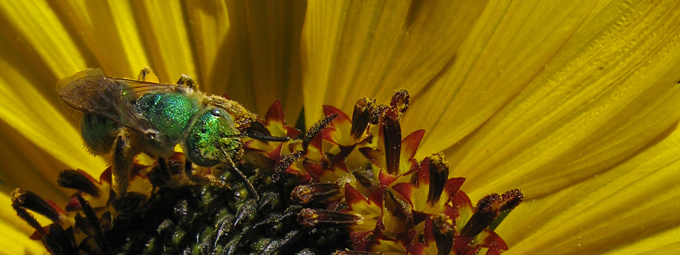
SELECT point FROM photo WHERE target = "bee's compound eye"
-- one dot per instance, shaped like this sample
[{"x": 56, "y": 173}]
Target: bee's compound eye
[{"x": 217, "y": 112}]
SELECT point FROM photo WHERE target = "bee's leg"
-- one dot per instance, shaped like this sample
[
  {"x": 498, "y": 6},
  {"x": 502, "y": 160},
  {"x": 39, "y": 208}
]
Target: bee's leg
[
  {"x": 187, "y": 168},
  {"x": 123, "y": 158},
  {"x": 213, "y": 181},
  {"x": 189, "y": 172},
  {"x": 163, "y": 175},
  {"x": 187, "y": 80},
  {"x": 163, "y": 166}
]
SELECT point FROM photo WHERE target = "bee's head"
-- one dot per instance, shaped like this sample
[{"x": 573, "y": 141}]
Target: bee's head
[{"x": 213, "y": 139}]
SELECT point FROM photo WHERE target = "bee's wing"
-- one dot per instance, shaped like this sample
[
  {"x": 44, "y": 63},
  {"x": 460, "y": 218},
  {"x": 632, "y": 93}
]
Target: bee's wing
[{"x": 92, "y": 92}]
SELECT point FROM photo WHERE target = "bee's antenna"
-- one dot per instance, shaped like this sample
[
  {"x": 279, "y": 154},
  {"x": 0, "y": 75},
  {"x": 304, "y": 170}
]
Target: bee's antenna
[
  {"x": 245, "y": 180},
  {"x": 268, "y": 138},
  {"x": 261, "y": 137}
]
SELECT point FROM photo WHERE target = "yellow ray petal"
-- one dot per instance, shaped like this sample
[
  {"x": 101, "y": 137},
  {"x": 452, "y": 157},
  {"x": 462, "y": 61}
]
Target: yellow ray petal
[
  {"x": 356, "y": 49},
  {"x": 510, "y": 43},
  {"x": 660, "y": 243},
  {"x": 37, "y": 33},
  {"x": 629, "y": 209},
  {"x": 9, "y": 217},
  {"x": 166, "y": 38},
  {"x": 30, "y": 167},
  {"x": 262, "y": 51},
  {"x": 31, "y": 117},
  {"x": 607, "y": 92},
  {"x": 209, "y": 28},
  {"x": 105, "y": 31},
  {"x": 16, "y": 242}
]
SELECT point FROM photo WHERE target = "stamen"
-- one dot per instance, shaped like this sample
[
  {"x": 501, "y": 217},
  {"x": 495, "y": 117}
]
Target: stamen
[
  {"x": 401, "y": 100},
  {"x": 378, "y": 113},
  {"x": 439, "y": 174},
  {"x": 318, "y": 217},
  {"x": 31, "y": 201},
  {"x": 75, "y": 179},
  {"x": 285, "y": 162},
  {"x": 248, "y": 209},
  {"x": 94, "y": 222},
  {"x": 28, "y": 218},
  {"x": 489, "y": 208},
  {"x": 392, "y": 139},
  {"x": 356, "y": 253},
  {"x": 316, "y": 128},
  {"x": 443, "y": 234},
  {"x": 58, "y": 241},
  {"x": 511, "y": 199},
  {"x": 364, "y": 177},
  {"x": 482, "y": 218},
  {"x": 316, "y": 192},
  {"x": 361, "y": 116}
]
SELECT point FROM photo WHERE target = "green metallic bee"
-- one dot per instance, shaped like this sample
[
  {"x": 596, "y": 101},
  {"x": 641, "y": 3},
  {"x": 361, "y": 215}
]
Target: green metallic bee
[{"x": 129, "y": 117}]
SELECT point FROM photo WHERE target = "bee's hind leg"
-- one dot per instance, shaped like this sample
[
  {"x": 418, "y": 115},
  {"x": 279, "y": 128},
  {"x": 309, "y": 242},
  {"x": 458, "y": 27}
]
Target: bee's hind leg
[{"x": 123, "y": 158}]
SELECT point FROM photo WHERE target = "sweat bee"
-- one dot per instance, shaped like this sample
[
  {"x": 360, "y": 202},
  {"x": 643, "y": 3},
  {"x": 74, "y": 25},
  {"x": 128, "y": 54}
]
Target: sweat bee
[{"x": 128, "y": 117}]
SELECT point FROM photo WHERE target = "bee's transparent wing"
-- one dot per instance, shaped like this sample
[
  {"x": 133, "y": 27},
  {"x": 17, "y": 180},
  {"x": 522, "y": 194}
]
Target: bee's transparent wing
[{"x": 91, "y": 92}]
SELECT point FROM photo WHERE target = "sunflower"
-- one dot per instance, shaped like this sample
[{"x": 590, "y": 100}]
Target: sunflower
[{"x": 574, "y": 103}]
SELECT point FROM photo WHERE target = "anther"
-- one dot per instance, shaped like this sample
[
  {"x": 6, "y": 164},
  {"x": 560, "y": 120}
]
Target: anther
[
  {"x": 401, "y": 100},
  {"x": 316, "y": 192},
  {"x": 316, "y": 129},
  {"x": 438, "y": 168},
  {"x": 33, "y": 202},
  {"x": 75, "y": 179},
  {"x": 361, "y": 116},
  {"x": 317, "y": 217}
]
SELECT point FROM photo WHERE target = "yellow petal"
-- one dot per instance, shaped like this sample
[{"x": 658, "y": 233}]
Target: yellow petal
[
  {"x": 30, "y": 167},
  {"x": 608, "y": 91},
  {"x": 36, "y": 35},
  {"x": 628, "y": 209},
  {"x": 511, "y": 42},
  {"x": 15, "y": 242},
  {"x": 209, "y": 27},
  {"x": 37, "y": 140},
  {"x": 106, "y": 34},
  {"x": 263, "y": 51},
  {"x": 166, "y": 38},
  {"x": 356, "y": 49}
]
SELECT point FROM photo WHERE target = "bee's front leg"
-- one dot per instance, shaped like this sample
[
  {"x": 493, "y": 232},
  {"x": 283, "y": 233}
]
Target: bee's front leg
[{"x": 123, "y": 158}]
